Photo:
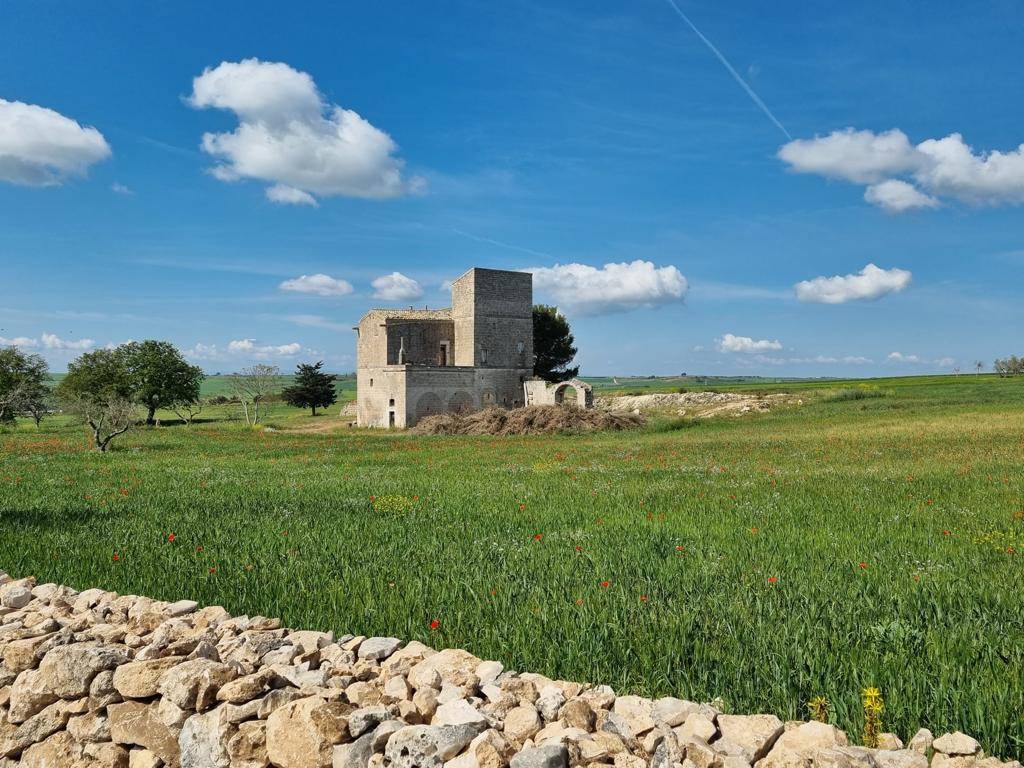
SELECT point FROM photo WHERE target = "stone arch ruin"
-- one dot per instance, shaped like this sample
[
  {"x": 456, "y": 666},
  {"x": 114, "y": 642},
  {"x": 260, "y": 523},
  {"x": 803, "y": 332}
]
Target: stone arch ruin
[{"x": 540, "y": 392}]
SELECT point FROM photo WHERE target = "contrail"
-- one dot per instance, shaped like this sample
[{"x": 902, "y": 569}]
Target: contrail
[
  {"x": 500, "y": 244},
  {"x": 735, "y": 75}
]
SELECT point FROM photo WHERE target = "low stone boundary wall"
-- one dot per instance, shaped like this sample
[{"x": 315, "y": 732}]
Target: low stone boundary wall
[{"x": 94, "y": 679}]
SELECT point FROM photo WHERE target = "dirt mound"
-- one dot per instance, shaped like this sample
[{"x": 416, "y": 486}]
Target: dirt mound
[
  {"x": 698, "y": 404},
  {"x": 531, "y": 420}
]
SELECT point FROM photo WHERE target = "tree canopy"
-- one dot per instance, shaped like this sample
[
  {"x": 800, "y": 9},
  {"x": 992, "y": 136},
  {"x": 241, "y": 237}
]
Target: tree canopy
[
  {"x": 161, "y": 376},
  {"x": 23, "y": 385},
  {"x": 312, "y": 388},
  {"x": 553, "y": 348}
]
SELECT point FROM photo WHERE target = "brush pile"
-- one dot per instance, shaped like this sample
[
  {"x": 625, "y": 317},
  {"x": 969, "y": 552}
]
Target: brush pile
[{"x": 531, "y": 420}]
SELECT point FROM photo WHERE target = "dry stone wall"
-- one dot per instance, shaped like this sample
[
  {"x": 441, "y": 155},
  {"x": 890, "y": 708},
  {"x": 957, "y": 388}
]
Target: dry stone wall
[{"x": 93, "y": 679}]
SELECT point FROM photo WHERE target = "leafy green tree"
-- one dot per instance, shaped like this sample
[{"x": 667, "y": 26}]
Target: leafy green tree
[
  {"x": 553, "y": 348},
  {"x": 100, "y": 387},
  {"x": 312, "y": 388},
  {"x": 162, "y": 377},
  {"x": 23, "y": 385}
]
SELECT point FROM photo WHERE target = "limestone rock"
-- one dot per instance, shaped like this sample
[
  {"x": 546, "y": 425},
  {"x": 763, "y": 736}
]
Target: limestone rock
[
  {"x": 302, "y": 734},
  {"x": 903, "y": 758},
  {"x": 427, "y": 746},
  {"x": 697, "y": 726},
  {"x": 54, "y": 752},
  {"x": 671, "y": 711},
  {"x": 548, "y": 756},
  {"x": 453, "y": 665},
  {"x": 921, "y": 741},
  {"x": 133, "y": 722},
  {"x": 522, "y": 723},
  {"x": 378, "y": 648},
  {"x": 105, "y": 754},
  {"x": 92, "y": 727},
  {"x": 29, "y": 695},
  {"x": 41, "y": 725},
  {"x": 362, "y": 720},
  {"x": 576, "y": 713},
  {"x": 248, "y": 687},
  {"x": 248, "y": 747},
  {"x": 549, "y": 701},
  {"x": 203, "y": 740},
  {"x": 458, "y": 712},
  {"x": 139, "y": 679},
  {"x": 754, "y": 734},
  {"x": 956, "y": 744},
  {"x": 354, "y": 755},
  {"x": 636, "y": 711},
  {"x": 67, "y": 670},
  {"x": 184, "y": 682},
  {"x": 889, "y": 741},
  {"x": 15, "y": 595},
  {"x": 143, "y": 758}
]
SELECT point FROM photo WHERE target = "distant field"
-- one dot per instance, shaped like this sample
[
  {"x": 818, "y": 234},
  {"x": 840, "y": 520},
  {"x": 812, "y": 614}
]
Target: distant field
[{"x": 872, "y": 536}]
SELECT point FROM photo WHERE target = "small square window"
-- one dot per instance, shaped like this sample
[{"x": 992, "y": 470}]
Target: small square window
[{"x": 391, "y": 402}]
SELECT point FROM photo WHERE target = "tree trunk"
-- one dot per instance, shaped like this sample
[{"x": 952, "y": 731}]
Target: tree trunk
[
  {"x": 313, "y": 408},
  {"x": 150, "y": 416}
]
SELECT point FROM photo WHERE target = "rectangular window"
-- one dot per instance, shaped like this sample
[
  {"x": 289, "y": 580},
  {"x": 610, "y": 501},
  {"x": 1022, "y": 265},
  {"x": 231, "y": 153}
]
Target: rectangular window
[{"x": 391, "y": 402}]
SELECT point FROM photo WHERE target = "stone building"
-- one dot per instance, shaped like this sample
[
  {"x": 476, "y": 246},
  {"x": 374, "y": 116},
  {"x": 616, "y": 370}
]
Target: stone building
[{"x": 477, "y": 353}]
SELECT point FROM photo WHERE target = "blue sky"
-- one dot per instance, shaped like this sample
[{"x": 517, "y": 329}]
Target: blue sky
[{"x": 560, "y": 136}]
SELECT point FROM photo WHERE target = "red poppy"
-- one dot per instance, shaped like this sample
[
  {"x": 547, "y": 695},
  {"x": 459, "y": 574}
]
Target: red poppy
[
  {"x": 579, "y": 548},
  {"x": 864, "y": 566},
  {"x": 116, "y": 557},
  {"x": 945, "y": 533},
  {"x": 212, "y": 569},
  {"x": 754, "y": 531},
  {"x": 124, "y": 491},
  {"x": 434, "y": 624},
  {"x": 522, "y": 507},
  {"x": 680, "y": 547},
  {"x": 373, "y": 499},
  {"x": 579, "y": 601},
  {"x": 643, "y": 598},
  {"x": 773, "y": 579},
  {"x": 199, "y": 549},
  {"x": 606, "y": 584},
  {"x": 538, "y": 536},
  {"x": 170, "y": 537}
]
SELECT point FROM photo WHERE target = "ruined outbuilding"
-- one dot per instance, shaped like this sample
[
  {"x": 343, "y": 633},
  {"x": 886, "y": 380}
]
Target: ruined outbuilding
[{"x": 477, "y": 353}]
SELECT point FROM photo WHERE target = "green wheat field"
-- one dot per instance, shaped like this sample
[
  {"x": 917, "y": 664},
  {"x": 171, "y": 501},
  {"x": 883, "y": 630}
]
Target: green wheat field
[{"x": 873, "y": 535}]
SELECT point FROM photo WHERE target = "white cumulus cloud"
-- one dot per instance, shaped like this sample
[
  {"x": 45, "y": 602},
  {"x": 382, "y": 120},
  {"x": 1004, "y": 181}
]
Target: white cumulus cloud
[
  {"x": 289, "y": 135},
  {"x": 54, "y": 342},
  {"x": 859, "y": 156},
  {"x": 899, "y": 357},
  {"x": 897, "y": 196},
  {"x": 616, "y": 287},
  {"x": 245, "y": 349},
  {"x": 40, "y": 147},
  {"x": 870, "y": 283},
  {"x": 903, "y": 177},
  {"x": 731, "y": 343},
  {"x": 19, "y": 341},
  {"x": 396, "y": 287},
  {"x": 318, "y": 285}
]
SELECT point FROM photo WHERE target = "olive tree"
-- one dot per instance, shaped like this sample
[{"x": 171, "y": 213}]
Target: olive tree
[
  {"x": 23, "y": 387},
  {"x": 99, "y": 388}
]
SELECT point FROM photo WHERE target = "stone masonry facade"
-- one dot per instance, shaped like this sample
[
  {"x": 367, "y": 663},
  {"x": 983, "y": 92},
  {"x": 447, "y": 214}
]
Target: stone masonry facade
[{"x": 477, "y": 353}]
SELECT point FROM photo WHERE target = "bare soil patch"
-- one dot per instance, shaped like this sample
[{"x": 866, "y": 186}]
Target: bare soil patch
[{"x": 531, "y": 420}]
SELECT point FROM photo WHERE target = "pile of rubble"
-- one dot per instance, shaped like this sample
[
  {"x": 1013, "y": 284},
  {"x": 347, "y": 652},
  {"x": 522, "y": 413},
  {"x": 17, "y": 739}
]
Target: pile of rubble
[
  {"x": 697, "y": 404},
  {"x": 93, "y": 679}
]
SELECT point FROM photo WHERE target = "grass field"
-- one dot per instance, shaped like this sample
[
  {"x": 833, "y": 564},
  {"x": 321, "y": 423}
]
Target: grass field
[{"x": 856, "y": 540}]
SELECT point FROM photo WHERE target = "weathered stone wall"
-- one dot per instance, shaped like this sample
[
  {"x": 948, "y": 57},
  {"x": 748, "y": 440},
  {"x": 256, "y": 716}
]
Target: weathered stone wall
[
  {"x": 493, "y": 314},
  {"x": 540, "y": 392},
  {"x": 97, "y": 680},
  {"x": 381, "y": 391}
]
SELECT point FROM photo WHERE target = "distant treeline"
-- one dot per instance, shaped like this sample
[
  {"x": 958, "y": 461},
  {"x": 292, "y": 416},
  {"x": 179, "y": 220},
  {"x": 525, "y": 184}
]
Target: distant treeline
[{"x": 1009, "y": 366}]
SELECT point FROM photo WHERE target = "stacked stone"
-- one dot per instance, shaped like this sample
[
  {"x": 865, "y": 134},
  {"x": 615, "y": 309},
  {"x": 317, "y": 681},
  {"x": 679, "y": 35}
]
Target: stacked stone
[{"x": 98, "y": 680}]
